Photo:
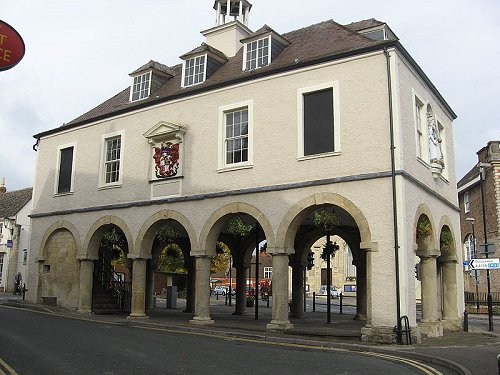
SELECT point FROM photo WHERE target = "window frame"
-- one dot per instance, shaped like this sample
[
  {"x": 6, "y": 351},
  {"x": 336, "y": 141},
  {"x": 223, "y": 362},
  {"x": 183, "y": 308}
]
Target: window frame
[
  {"x": 268, "y": 271},
  {"x": 222, "y": 157},
  {"x": 257, "y": 57},
  {"x": 203, "y": 73},
  {"x": 102, "y": 162},
  {"x": 140, "y": 88},
  {"x": 334, "y": 86},
  {"x": 466, "y": 202},
  {"x": 58, "y": 169},
  {"x": 420, "y": 131}
]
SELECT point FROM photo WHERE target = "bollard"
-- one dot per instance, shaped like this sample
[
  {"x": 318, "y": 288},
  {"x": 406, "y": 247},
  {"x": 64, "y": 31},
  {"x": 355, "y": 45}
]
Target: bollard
[
  {"x": 340, "y": 302},
  {"x": 24, "y": 291},
  {"x": 466, "y": 321},
  {"x": 314, "y": 301},
  {"x": 498, "y": 363}
]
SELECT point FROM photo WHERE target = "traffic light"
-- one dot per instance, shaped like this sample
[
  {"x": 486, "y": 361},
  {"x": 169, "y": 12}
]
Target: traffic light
[
  {"x": 417, "y": 271},
  {"x": 310, "y": 260}
]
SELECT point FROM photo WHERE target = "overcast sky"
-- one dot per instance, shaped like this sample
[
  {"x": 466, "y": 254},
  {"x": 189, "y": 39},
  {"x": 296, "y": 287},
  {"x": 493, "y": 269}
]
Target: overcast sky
[{"x": 79, "y": 53}]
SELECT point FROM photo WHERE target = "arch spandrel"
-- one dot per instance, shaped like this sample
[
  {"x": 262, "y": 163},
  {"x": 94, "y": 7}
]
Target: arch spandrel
[
  {"x": 295, "y": 215},
  {"x": 91, "y": 244},
  {"x": 214, "y": 225},
  {"x": 63, "y": 224},
  {"x": 147, "y": 233}
]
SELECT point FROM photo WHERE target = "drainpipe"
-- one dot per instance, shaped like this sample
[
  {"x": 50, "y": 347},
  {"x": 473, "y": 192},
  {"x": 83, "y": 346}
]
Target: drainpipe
[{"x": 394, "y": 202}]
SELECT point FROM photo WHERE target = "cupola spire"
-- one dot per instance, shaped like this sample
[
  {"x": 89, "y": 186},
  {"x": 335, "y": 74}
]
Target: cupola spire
[{"x": 231, "y": 10}]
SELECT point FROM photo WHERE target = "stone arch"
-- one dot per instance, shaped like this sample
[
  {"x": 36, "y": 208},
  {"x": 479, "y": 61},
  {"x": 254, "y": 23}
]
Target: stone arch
[
  {"x": 214, "y": 224},
  {"x": 147, "y": 233},
  {"x": 293, "y": 218},
  {"x": 93, "y": 238},
  {"x": 451, "y": 250},
  {"x": 428, "y": 245},
  {"x": 63, "y": 224}
]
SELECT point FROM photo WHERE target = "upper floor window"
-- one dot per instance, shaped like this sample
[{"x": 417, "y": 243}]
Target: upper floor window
[
  {"x": 111, "y": 160},
  {"x": 235, "y": 131},
  {"x": 25, "y": 256},
  {"x": 318, "y": 120},
  {"x": 194, "y": 71},
  {"x": 469, "y": 247},
  {"x": 466, "y": 202},
  {"x": 141, "y": 86},
  {"x": 257, "y": 54},
  {"x": 268, "y": 272},
  {"x": 237, "y": 136},
  {"x": 64, "y": 182},
  {"x": 419, "y": 133}
]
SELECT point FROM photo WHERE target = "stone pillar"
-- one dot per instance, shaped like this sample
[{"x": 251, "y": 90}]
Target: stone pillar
[
  {"x": 297, "y": 307},
  {"x": 138, "y": 290},
  {"x": 429, "y": 324},
  {"x": 361, "y": 295},
  {"x": 86, "y": 282},
  {"x": 241, "y": 298},
  {"x": 280, "y": 319},
  {"x": 202, "y": 291},
  {"x": 149, "y": 286},
  {"x": 451, "y": 319},
  {"x": 190, "y": 287}
]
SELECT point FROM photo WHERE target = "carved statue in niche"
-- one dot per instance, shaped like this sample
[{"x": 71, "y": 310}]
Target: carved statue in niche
[
  {"x": 435, "y": 153},
  {"x": 166, "y": 159}
]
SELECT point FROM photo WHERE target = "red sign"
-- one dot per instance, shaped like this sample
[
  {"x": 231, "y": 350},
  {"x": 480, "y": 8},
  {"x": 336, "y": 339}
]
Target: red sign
[{"x": 11, "y": 46}]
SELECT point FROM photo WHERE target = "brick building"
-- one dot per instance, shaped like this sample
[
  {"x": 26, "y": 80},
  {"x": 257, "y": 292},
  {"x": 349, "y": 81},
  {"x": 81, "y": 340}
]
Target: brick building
[{"x": 471, "y": 215}]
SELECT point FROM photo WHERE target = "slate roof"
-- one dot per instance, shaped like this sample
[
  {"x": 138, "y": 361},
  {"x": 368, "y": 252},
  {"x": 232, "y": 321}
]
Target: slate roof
[
  {"x": 153, "y": 65},
  {"x": 322, "y": 42},
  {"x": 204, "y": 48},
  {"x": 12, "y": 202},
  {"x": 364, "y": 24},
  {"x": 469, "y": 176}
]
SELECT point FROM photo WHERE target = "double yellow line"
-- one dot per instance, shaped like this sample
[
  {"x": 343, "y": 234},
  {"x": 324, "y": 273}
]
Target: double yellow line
[{"x": 5, "y": 369}]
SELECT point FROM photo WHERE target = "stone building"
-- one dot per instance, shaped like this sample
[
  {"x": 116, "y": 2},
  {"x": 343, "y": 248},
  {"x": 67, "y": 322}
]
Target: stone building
[
  {"x": 15, "y": 207},
  {"x": 471, "y": 216},
  {"x": 272, "y": 128}
]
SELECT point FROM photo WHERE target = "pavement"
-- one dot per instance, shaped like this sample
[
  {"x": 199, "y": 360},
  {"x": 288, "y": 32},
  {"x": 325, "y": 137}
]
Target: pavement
[{"x": 468, "y": 353}]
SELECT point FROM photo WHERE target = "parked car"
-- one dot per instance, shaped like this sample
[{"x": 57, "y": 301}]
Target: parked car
[
  {"x": 221, "y": 289},
  {"x": 334, "y": 291}
]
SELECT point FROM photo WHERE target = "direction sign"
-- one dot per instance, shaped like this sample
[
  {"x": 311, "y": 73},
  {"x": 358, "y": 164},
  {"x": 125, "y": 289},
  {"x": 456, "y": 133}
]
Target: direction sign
[{"x": 484, "y": 264}]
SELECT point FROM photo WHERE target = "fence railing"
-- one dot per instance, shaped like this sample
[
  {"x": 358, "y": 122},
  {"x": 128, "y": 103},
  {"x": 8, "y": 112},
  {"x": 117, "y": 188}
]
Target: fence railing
[{"x": 471, "y": 298}]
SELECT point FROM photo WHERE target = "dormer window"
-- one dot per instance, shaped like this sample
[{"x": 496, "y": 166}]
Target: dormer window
[
  {"x": 141, "y": 86},
  {"x": 194, "y": 71},
  {"x": 257, "y": 54},
  {"x": 262, "y": 48}
]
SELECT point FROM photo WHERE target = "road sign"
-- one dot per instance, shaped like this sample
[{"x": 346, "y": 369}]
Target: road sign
[{"x": 484, "y": 264}]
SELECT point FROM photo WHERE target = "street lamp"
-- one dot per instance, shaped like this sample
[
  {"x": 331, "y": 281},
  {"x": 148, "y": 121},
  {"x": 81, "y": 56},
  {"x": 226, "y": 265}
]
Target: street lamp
[
  {"x": 473, "y": 254},
  {"x": 482, "y": 173}
]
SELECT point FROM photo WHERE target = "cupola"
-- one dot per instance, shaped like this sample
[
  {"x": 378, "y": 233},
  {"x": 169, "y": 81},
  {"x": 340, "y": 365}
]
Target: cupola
[{"x": 231, "y": 25}]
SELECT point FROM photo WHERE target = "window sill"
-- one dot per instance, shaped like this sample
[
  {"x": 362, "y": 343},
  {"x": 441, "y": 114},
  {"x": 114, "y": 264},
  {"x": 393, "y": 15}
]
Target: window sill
[
  {"x": 153, "y": 180},
  {"x": 109, "y": 186},
  {"x": 234, "y": 167},
  {"x": 63, "y": 194},
  {"x": 316, "y": 156}
]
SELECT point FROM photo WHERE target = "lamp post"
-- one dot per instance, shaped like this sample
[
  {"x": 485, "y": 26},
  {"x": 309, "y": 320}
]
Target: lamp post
[
  {"x": 473, "y": 253},
  {"x": 482, "y": 173}
]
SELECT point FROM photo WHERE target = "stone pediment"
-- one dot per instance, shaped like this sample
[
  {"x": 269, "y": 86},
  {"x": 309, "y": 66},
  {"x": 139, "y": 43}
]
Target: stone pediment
[{"x": 164, "y": 131}]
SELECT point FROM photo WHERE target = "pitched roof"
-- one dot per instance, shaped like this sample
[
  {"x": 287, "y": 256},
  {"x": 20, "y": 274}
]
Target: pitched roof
[
  {"x": 364, "y": 24},
  {"x": 204, "y": 48},
  {"x": 153, "y": 65},
  {"x": 12, "y": 202},
  {"x": 322, "y": 42}
]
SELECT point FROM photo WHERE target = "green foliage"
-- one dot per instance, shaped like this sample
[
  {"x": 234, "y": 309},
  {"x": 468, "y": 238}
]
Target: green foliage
[
  {"x": 446, "y": 237},
  {"x": 237, "y": 227},
  {"x": 171, "y": 259},
  {"x": 167, "y": 234},
  {"x": 329, "y": 250},
  {"x": 424, "y": 228},
  {"x": 114, "y": 240},
  {"x": 326, "y": 219},
  {"x": 220, "y": 262}
]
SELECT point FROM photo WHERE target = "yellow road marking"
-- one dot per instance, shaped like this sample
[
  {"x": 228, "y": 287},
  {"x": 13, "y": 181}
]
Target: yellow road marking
[{"x": 9, "y": 369}]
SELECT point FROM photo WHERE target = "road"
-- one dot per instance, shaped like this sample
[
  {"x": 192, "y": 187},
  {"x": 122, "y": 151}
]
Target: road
[{"x": 37, "y": 343}]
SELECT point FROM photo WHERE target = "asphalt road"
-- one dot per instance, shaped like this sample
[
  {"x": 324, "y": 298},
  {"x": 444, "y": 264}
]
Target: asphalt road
[{"x": 38, "y": 344}]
